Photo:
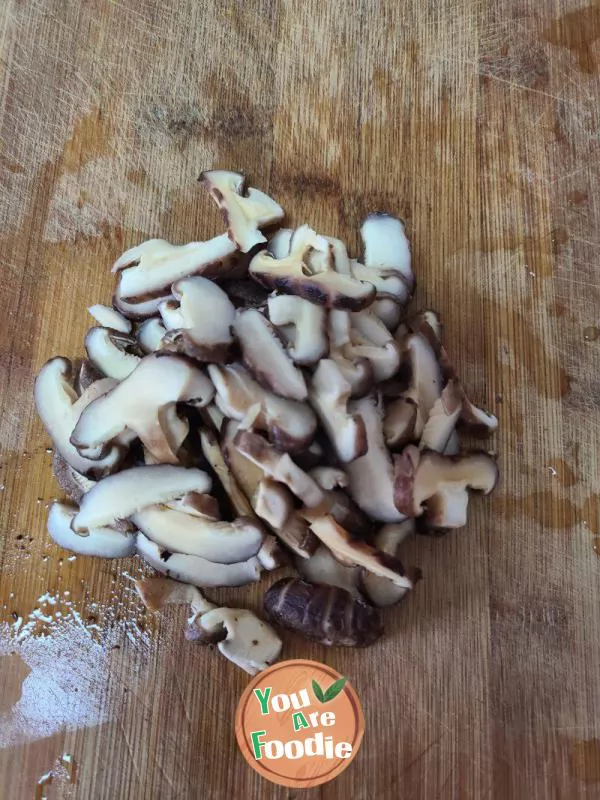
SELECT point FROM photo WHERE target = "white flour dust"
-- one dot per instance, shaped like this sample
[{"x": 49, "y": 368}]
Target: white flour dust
[{"x": 69, "y": 665}]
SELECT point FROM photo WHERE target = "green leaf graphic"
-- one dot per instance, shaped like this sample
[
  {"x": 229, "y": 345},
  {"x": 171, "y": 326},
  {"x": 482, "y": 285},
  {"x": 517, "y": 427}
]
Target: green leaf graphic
[
  {"x": 318, "y": 692},
  {"x": 335, "y": 689}
]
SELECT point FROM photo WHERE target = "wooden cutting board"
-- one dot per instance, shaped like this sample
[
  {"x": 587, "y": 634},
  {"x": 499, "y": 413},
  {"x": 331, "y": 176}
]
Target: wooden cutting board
[{"x": 478, "y": 123}]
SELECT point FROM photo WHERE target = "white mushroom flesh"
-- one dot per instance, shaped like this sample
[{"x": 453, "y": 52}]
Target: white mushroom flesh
[
  {"x": 106, "y": 350},
  {"x": 121, "y": 495},
  {"x": 195, "y": 570},
  {"x": 101, "y": 541},
  {"x": 222, "y": 542},
  {"x": 309, "y": 338},
  {"x": 140, "y": 403},
  {"x": 59, "y": 409},
  {"x": 266, "y": 357},
  {"x": 250, "y": 643},
  {"x": 108, "y": 317},
  {"x": 371, "y": 477}
]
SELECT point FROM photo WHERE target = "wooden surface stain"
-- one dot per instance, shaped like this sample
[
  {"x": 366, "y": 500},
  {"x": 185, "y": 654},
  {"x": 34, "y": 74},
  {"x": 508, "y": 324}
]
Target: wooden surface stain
[{"x": 478, "y": 123}]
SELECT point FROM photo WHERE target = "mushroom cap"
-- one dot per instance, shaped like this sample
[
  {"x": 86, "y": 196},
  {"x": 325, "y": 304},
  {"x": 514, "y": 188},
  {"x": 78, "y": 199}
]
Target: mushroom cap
[
  {"x": 442, "y": 419},
  {"x": 156, "y": 593},
  {"x": 399, "y": 422},
  {"x": 278, "y": 466},
  {"x": 322, "y": 567},
  {"x": 149, "y": 334},
  {"x": 370, "y": 339},
  {"x": 328, "y": 614},
  {"x": 382, "y": 591}
]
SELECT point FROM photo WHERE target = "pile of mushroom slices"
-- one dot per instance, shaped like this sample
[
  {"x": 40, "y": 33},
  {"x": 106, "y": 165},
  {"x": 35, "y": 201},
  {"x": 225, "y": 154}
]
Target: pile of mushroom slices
[{"x": 251, "y": 402}]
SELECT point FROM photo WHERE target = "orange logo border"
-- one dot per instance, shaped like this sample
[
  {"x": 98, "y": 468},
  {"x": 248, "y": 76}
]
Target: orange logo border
[{"x": 245, "y": 745}]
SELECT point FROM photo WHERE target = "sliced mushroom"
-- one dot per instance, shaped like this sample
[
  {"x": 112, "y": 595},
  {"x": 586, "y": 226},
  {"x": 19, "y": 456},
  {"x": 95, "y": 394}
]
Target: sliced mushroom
[
  {"x": 442, "y": 419},
  {"x": 439, "y": 485},
  {"x": 195, "y": 570},
  {"x": 143, "y": 309},
  {"x": 59, "y": 408},
  {"x": 329, "y": 478},
  {"x": 371, "y": 476},
  {"x": 108, "y": 317},
  {"x": 270, "y": 499},
  {"x": 279, "y": 243},
  {"x": 322, "y": 567},
  {"x": 171, "y": 314},
  {"x": 156, "y": 593},
  {"x": 199, "y": 505},
  {"x": 328, "y": 614},
  {"x": 388, "y": 311},
  {"x": 273, "y": 502},
  {"x": 278, "y": 466},
  {"x": 240, "y": 636},
  {"x": 213, "y": 454},
  {"x": 386, "y": 246},
  {"x": 309, "y": 322},
  {"x": 222, "y": 542},
  {"x": 271, "y": 555},
  {"x": 121, "y": 495},
  {"x": 202, "y": 329},
  {"x": 370, "y": 339},
  {"x": 344, "y": 511},
  {"x": 245, "y": 210},
  {"x": 111, "y": 352},
  {"x": 266, "y": 357},
  {"x": 144, "y": 403},
  {"x": 424, "y": 389},
  {"x": 400, "y": 422},
  {"x": 476, "y": 421},
  {"x": 290, "y": 424},
  {"x": 388, "y": 284},
  {"x": 329, "y": 394},
  {"x": 353, "y": 551},
  {"x": 293, "y": 275},
  {"x": 148, "y": 270},
  {"x": 357, "y": 371},
  {"x": 100, "y": 541},
  {"x": 150, "y": 334},
  {"x": 382, "y": 591}
]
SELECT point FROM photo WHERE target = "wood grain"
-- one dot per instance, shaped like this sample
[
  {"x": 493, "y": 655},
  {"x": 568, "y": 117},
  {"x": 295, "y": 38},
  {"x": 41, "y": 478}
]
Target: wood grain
[{"x": 478, "y": 122}]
